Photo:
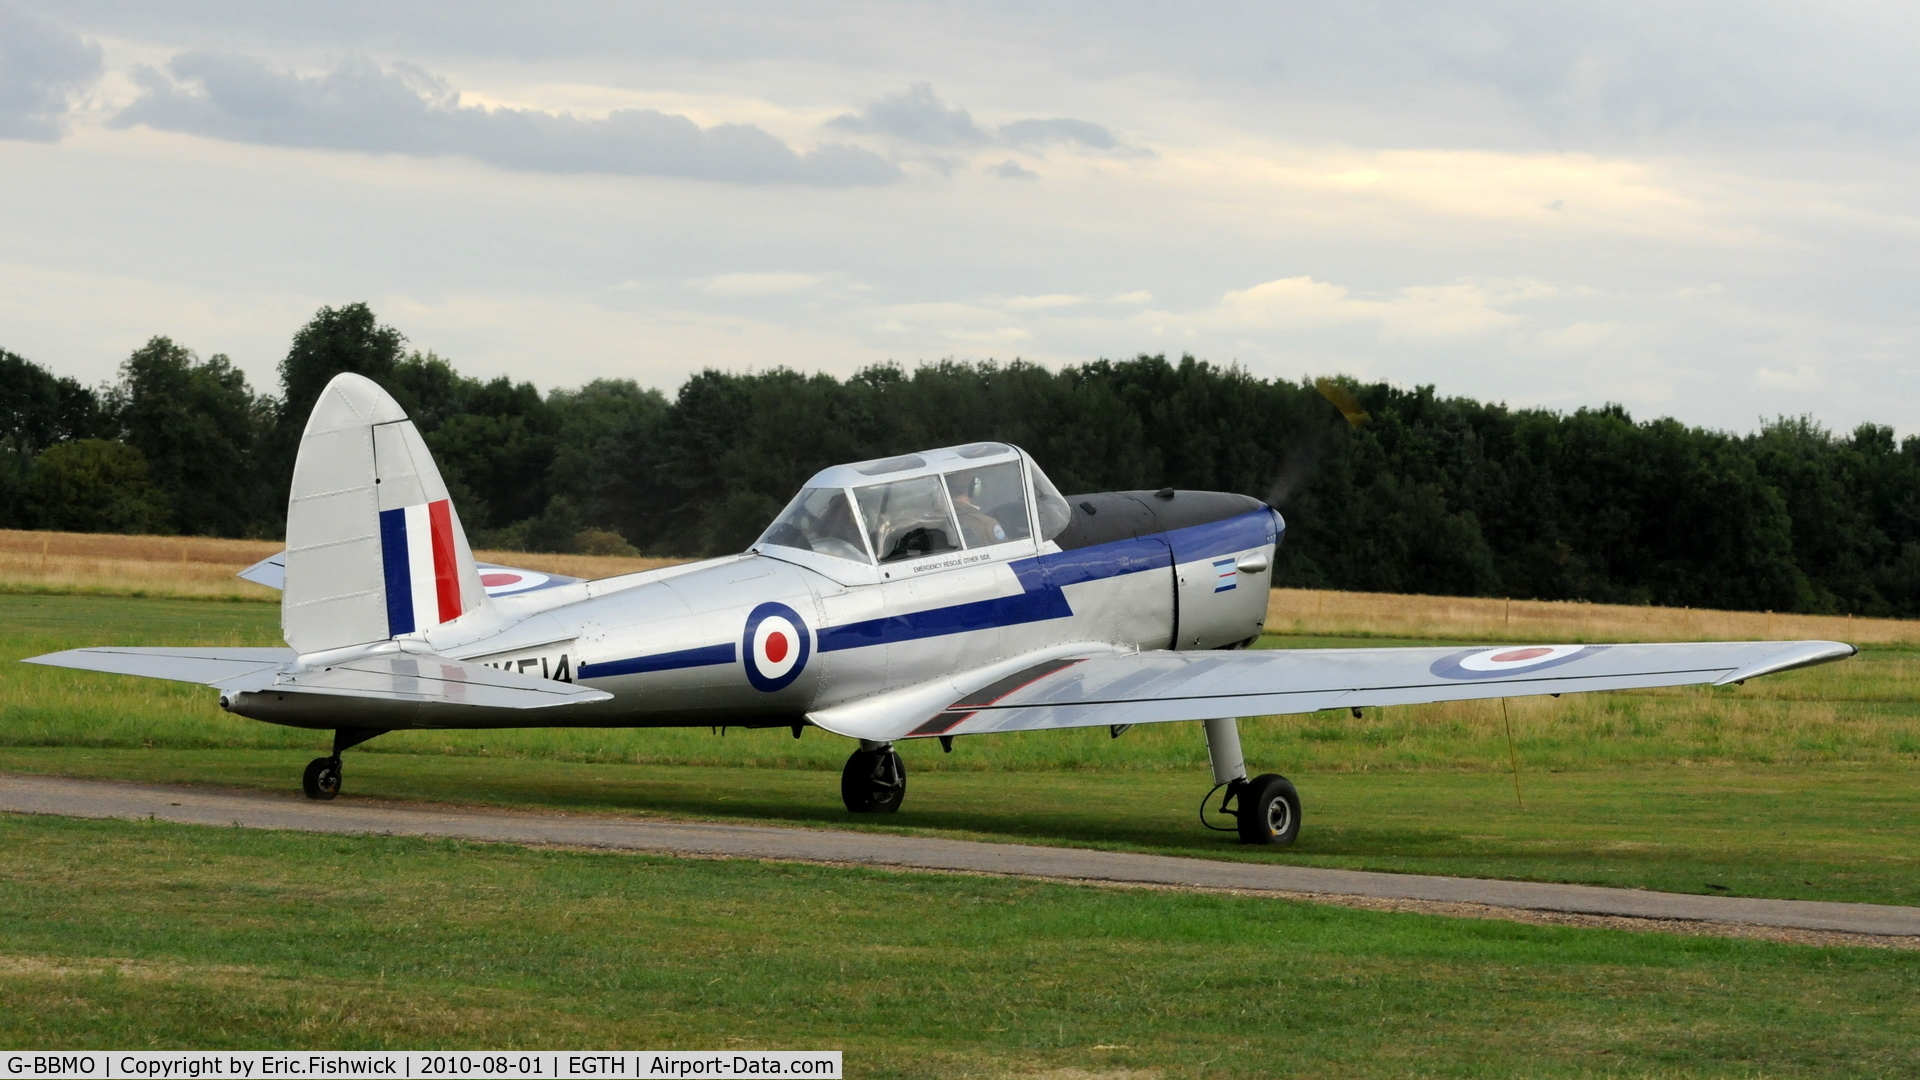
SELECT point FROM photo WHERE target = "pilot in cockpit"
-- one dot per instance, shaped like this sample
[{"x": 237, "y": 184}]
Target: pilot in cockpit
[
  {"x": 979, "y": 527},
  {"x": 903, "y": 509}
]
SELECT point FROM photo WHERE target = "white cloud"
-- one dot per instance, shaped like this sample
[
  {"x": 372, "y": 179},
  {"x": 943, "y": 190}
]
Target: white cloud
[
  {"x": 1413, "y": 312},
  {"x": 1034, "y": 303},
  {"x": 920, "y": 117},
  {"x": 916, "y": 115},
  {"x": 759, "y": 284},
  {"x": 43, "y": 67},
  {"x": 402, "y": 108},
  {"x": 1724, "y": 210},
  {"x": 1802, "y": 378},
  {"x": 1000, "y": 335}
]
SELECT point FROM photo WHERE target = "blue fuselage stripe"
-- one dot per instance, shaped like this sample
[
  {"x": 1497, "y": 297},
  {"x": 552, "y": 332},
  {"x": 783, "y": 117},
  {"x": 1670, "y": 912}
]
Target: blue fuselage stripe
[
  {"x": 1034, "y": 606},
  {"x": 705, "y": 656},
  {"x": 1224, "y": 537},
  {"x": 1043, "y": 578}
]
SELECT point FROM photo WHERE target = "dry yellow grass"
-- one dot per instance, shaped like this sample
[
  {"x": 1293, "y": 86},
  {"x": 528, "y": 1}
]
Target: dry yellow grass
[
  {"x": 201, "y": 567},
  {"x": 150, "y": 565},
  {"x": 1310, "y": 611},
  {"x": 590, "y": 567},
  {"x": 194, "y": 566}
]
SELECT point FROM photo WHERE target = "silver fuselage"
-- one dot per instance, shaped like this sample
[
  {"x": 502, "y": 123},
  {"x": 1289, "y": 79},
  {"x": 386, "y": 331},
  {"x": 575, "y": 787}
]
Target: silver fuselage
[{"x": 675, "y": 647}]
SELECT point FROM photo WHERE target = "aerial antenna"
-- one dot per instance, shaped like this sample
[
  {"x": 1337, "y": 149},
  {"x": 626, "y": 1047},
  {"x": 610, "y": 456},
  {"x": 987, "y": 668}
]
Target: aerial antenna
[{"x": 1512, "y": 755}]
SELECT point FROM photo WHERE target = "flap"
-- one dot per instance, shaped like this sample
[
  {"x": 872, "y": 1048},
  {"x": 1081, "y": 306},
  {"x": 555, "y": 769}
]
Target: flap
[{"x": 895, "y": 713}]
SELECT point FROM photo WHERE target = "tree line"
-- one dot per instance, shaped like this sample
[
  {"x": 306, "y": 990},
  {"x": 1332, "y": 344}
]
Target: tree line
[{"x": 1390, "y": 489}]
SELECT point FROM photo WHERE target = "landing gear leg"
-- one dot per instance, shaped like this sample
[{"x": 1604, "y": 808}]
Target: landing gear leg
[
  {"x": 874, "y": 780},
  {"x": 1267, "y": 806},
  {"x": 322, "y": 778}
]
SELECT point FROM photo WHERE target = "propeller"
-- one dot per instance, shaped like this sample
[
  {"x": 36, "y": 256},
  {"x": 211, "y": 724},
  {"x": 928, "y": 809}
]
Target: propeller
[{"x": 1310, "y": 447}]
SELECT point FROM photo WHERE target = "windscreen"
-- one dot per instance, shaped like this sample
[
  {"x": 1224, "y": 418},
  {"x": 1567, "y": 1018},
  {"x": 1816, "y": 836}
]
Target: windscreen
[
  {"x": 908, "y": 518},
  {"x": 1049, "y": 505},
  {"x": 818, "y": 519},
  {"x": 990, "y": 504}
]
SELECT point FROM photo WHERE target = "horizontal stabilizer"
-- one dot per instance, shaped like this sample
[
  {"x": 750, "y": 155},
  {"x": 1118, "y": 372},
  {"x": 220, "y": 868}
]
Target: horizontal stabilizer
[
  {"x": 428, "y": 679},
  {"x": 270, "y": 571},
  {"x": 211, "y": 667},
  {"x": 387, "y": 689},
  {"x": 497, "y": 580},
  {"x": 1056, "y": 691}
]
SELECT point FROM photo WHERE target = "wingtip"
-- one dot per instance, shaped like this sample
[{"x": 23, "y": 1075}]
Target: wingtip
[{"x": 1797, "y": 654}]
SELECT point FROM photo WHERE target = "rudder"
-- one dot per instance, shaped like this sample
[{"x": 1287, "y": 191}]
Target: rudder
[{"x": 374, "y": 546}]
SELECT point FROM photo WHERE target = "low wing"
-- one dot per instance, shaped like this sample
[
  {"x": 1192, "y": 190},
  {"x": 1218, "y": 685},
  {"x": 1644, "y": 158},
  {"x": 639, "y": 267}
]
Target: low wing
[
  {"x": 391, "y": 677},
  {"x": 497, "y": 580},
  {"x": 1152, "y": 687}
]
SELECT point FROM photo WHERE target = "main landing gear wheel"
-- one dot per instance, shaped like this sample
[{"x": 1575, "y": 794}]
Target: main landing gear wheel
[
  {"x": 874, "y": 781},
  {"x": 322, "y": 779},
  {"x": 1269, "y": 810}
]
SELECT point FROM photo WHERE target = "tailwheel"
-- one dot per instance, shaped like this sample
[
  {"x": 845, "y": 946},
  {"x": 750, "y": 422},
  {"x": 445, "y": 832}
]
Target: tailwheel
[
  {"x": 322, "y": 778},
  {"x": 874, "y": 780},
  {"x": 1269, "y": 811}
]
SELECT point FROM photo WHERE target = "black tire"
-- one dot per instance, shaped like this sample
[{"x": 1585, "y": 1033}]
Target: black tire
[
  {"x": 1269, "y": 810},
  {"x": 322, "y": 778},
  {"x": 873, "y": 782}
]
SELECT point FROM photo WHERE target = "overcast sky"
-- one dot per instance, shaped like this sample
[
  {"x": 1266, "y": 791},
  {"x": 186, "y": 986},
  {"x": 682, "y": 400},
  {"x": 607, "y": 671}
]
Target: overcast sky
[{"x": 1706, "y": 211}]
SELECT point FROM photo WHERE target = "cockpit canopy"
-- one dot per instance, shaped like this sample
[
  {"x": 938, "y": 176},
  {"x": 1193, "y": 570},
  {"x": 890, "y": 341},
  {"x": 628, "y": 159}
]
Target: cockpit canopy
[{"x": 957, "y": 498}]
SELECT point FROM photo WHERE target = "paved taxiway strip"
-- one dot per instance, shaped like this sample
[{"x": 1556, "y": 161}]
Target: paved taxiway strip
[{"x": 196, "y": 806}]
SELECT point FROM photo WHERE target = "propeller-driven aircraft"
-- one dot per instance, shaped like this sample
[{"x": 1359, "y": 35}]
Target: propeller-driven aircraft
[{"x": 932, "y": 595}]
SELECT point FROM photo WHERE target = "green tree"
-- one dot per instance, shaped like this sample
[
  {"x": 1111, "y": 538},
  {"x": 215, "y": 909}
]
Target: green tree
[
  {"x": 37, "y": 410},
  {"x": 198, "y": 425},
  {"x": 591, "y": 478},
  {"x": 94, "y": 485},
  {"x": 335, "y": 340}
]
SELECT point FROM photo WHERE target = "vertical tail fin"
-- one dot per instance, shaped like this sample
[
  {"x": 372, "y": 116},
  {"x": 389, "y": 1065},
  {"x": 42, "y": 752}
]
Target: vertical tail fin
[{"x": 374, "y": 546}]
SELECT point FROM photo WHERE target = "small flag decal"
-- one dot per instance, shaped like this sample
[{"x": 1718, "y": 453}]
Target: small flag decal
[
  {"x": 423, "y": 577},
  {"x": 1225, "y": 574}
]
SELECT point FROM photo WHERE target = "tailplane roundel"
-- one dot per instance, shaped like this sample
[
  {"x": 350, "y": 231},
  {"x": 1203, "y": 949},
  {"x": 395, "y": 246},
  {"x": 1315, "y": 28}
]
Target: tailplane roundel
[{"x": 374, "y": 546}]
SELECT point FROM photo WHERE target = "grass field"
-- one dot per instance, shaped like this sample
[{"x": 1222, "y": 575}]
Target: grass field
[
  {"x": 140, "y": 934},
  {"x": 144, "y": 934},
  {"x": 1802, "y": 785}
]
